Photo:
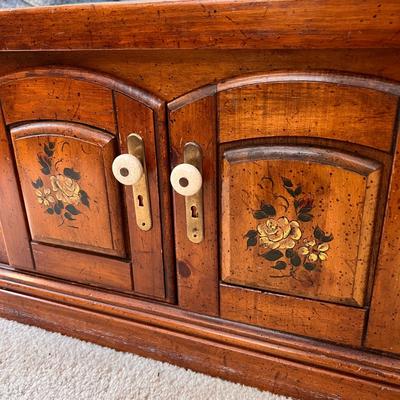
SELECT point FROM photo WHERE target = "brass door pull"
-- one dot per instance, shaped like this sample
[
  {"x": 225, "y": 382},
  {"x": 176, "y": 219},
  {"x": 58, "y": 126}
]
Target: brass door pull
[
  {"x": 130, "y": 169},
  {"x": 186, "y": 179}
]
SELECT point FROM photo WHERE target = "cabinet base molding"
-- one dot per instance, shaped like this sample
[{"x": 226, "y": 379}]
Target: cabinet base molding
[{"x": 264, "y": 359}]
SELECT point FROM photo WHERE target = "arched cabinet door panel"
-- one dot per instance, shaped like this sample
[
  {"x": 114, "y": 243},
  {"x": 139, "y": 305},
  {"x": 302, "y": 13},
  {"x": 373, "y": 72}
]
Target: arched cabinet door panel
[
  {"x": 70, "y": 194},
  {"x": 65, "y": 128},
  {"x": 295, "y": 174},
  {"x": 298, "y": 220}
]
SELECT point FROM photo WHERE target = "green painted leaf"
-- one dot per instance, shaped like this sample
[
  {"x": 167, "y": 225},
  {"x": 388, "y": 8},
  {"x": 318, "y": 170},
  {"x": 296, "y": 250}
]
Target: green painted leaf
[
  {"x": 60, "y": 204},
  {"x": 327, "y": 238},
  {"x": 290, "y": 191},
  {"x": 45, "y": 163},
  {"x": 50, "y": 211},
  {"x": 72, "y": 209},
  {"x": 272, "y": 255},
  {"x": 38, "y": 183},
  {"x": 309, "y": 266},
  {"x": 295, "y": 260},
  {"x": 84, "y": 198},
  {"x": 71, "y": 173},
  {"x": 287, "y": 182},
  {"x": 289, "y": 253},
  {"x": 297, "y": 191},
  {"x": 318, "y": 233},
  {"x": 305, "y": 210},
  {"x": 305, "y": 217},
  {"x": 48, "y": 151},
  {"x": 268, "y": 209},
  {"x": 68, "y": 216},
  {"x": 259, "y": 214},
  {"x": 57, "y": 208},
  {"x": 280, "y": 265},
  {"x": 251, "y": 233},
  {"x": 251, "y": 241}
]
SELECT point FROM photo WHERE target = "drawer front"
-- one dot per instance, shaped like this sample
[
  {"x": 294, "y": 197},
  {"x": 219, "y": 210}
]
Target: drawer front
[
  {"x": 65, "y": 128},
  {"x": 295, "y": 175}
]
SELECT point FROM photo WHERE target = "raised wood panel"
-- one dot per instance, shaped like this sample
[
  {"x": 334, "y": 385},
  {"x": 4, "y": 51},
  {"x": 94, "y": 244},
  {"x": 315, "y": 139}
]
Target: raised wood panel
[
  {"x": 350, "y": 114},
  {"x": 325, "y": 321},
  {"x": 299, "y": 220},
  {"x": 84, "y": 268},
  {"x": 58, "y": 98},
  {"x": 197, "y": 263},
  {"x": 146, "y": 246},
  {"x": 69, "y": 192},
  {"x": 12, "y": 213},
  {"x": 384, "y": 318}
]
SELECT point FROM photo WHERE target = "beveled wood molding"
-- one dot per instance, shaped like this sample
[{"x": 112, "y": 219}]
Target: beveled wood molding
[
  {"x": 344, "y": 160},
  {"x": 194, "y": 24},
  {"x": 94, "y": 77},
  {"x": 343, "y": 360},
  {"x": 322, "y": 76}
]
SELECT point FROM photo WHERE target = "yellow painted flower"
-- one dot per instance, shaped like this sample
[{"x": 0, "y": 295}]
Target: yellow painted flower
[
  {"x": 65, "y": 189},
  {"x": 279, "y": 233},
  {"x": 314, "y": 252},
  {"x": 44, "y": 197}
]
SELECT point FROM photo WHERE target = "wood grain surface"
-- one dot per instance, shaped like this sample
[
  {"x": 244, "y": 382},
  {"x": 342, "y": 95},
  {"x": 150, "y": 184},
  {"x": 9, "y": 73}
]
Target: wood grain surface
[{"x": 198, "y": 24}]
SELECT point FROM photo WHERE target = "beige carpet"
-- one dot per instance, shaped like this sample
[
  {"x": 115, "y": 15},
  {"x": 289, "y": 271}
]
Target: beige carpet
[{"x": 40, "y": 365}]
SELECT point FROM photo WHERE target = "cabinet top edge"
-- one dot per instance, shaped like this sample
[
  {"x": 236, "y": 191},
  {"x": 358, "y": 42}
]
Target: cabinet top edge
[{"x": 203, "y": 24}]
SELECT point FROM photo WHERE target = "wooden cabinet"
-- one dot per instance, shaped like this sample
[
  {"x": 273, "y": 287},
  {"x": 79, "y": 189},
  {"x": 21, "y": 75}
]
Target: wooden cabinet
[
  {"x": 212, "y": 184},
  {"x": 300, "y": 181},
  {"x": 65, "y": 128}
]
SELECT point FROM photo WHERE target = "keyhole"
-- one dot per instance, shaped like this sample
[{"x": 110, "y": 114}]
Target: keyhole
[
  {"x": 140, "y": 200},
  {"x": 195, "y": 214}
]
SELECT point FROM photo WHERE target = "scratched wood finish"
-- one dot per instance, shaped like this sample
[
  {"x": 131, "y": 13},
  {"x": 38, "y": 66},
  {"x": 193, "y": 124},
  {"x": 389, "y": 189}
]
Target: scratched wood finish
[
  {"x": 12, "y": 214},
  {"x": 58, "y": 98},
  {"x": 173, "y": 51},
  {"x": 303, "y": 191},
  {"x": 84, "y": 268},
  {"x": 325, "y": 321},
  {"x": 384, "y": 320},
  {"x": 197, "y": 264},
  {"x": 146, "y": 246},
  {"x": 313, "y": 109},
  {"x": 70, "y": 195},
  {"x": 172, "y": 73},
  {"x": 204, "y": 24}
]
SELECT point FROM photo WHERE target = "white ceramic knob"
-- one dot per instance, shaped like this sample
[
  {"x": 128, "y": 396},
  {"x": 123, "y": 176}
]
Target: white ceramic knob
[
  {"x": 186, "y": 179},
  {"x": 127, "y": 169}
]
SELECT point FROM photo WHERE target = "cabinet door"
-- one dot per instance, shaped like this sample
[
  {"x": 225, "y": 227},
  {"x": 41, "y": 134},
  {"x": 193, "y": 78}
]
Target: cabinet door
[
  {"x": 299, "y": 180},
  {"x": 65, "y": 128}
]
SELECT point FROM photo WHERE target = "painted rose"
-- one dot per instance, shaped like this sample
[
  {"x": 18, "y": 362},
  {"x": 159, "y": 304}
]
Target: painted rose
[
  {"x": 279, "y": 233},
  {"x": 313, "y": 252},
  {"x": 65, "y": 189}
]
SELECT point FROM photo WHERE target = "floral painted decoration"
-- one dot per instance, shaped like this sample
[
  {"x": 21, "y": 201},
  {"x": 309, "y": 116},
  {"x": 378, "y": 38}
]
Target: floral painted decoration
[
  {"x": 62, "y": 195},
  {"x": 282, "y": 238}
]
